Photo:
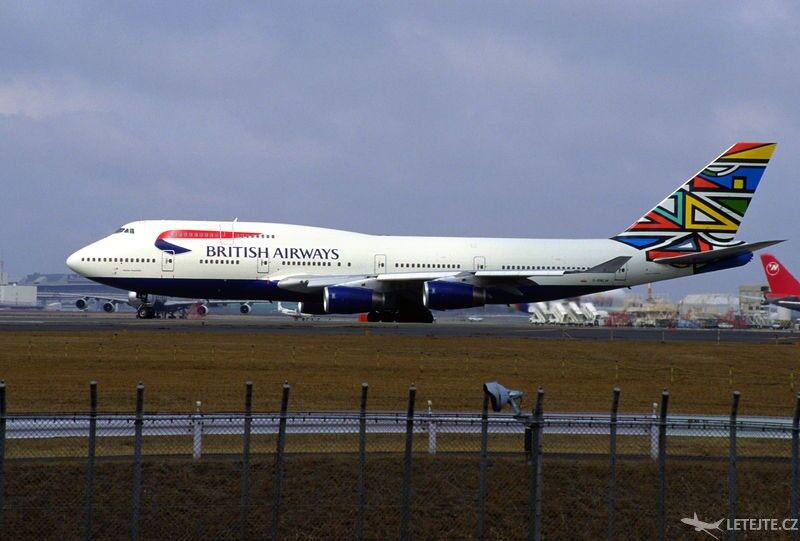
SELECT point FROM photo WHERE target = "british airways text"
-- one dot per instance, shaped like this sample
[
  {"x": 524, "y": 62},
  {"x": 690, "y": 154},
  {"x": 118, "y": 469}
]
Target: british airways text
[{"x": 277, "y": 253}]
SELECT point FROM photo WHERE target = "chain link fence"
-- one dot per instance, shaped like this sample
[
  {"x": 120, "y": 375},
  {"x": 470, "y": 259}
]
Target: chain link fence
[{"x": 387, "y": 475}]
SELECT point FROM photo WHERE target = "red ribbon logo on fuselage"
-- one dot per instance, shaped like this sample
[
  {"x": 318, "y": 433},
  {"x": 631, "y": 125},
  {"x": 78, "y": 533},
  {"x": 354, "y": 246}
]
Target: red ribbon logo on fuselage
[{"x": 167, "y": 245}]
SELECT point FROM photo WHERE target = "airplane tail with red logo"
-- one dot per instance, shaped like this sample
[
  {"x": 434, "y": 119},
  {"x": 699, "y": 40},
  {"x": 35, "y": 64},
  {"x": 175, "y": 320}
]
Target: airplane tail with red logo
[{"x": 781, "y": 282}]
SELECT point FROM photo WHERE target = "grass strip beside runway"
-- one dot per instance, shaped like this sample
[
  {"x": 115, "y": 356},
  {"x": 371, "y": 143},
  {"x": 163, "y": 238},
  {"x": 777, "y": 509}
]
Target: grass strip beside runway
[{"x": 50, "y": 371}]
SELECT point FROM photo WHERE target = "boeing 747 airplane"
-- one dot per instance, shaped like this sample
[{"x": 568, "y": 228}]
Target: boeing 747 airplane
[{"x": 395, "y": 278}]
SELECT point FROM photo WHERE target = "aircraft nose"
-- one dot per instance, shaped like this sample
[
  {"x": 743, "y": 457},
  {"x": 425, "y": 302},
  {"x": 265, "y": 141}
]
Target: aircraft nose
[{"x": 73, "y": 262}]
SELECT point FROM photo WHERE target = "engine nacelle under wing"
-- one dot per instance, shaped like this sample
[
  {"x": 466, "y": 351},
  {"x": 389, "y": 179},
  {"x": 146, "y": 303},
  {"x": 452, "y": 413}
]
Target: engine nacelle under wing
[
  {"x": 245, "y": 308},
  {"x": 352, "y": 300},
  {"x": 109, "y": 307},
  {"x": 443, "y": 295},
  {"x": 82, "y": 304}
]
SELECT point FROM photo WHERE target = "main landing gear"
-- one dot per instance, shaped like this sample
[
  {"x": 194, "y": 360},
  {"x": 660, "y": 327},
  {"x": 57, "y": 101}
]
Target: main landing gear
[
  {"x": 401, "y": 316},
  {"x": 145, "y": 312}
]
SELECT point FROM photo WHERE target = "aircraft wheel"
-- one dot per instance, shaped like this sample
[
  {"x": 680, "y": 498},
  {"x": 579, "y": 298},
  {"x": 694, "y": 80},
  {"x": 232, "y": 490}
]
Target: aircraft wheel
[
  {"x": 373, "y": 317},
  {"x": 388, "y": 317},
  {"x": 142, "y": 312},
  {"x": 415, "y": 316}
]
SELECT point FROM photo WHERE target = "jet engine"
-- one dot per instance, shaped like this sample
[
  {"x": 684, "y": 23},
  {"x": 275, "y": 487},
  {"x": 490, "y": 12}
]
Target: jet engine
[
  {"x": 313, "y": 308},
  {"x": 442, "y": 295},
  {"x": 82, "y": 304},
  {"x": 352, "y": 300},
  {"x": 109, "y": 307},
  {"x": 202, "y": 310},
  {"x": 245, "y": 308}
]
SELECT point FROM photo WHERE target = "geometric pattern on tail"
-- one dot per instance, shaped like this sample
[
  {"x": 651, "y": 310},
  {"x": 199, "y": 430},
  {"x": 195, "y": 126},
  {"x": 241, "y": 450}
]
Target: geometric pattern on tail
[{"x": 706, "y": 211}]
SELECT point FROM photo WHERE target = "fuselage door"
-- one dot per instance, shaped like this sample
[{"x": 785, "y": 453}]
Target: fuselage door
[
  {"x": 263, "y": 265},
  {"x": 226, "y": 233},
  {"x": 167, "y": 261},
  {"x": 479, "y": 263},
  {"x": 380, "y": 263}
]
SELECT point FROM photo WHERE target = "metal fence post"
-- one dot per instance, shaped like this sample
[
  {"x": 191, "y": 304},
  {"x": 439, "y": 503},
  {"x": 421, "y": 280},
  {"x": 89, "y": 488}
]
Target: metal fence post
[
  {"x": 662, "y": 456},
  {"x": 483, "y": 465},
  {"x": 2, "y": 449},
  {"x": 244, "y": 502},
  {"x": 535, "y": 526},
  {"x": 732, "y": 465},
  {"x": 89, "y": 489},
  {"x": 431, "y": 430},
  {"x": 137, "y": 461},
  {"x": 654, "y": 432},
  {"x": 277, "y": 482},
  {"x": 197, "y": 433},
  {"x": 405, "y": 510},
  {"x": 362, "y": 458},
  {"x": 612, "y": 462},
  {"x": 793, "y": 506}
]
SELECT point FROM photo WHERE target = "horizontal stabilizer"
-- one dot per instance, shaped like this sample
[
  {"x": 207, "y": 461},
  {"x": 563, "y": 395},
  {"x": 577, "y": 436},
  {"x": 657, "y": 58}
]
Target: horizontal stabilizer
[
  {"x": 609, "y": 267},
  {"x": 715, "y": 255}
]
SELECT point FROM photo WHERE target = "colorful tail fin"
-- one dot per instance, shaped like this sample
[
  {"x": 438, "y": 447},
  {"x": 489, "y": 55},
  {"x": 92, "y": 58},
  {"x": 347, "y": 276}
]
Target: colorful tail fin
[
  {"x": 705, "y": 212},
  {"x": 781, "y": 282}
]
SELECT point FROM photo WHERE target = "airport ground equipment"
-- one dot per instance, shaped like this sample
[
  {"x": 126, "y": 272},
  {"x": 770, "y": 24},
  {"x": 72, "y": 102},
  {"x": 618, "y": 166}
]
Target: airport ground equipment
[
  {"x": 537, "y": 317},
  {"x": 591, "y": 313},
  {"x": 563, "y": 315},
  {"x": 577, "y": 313}
]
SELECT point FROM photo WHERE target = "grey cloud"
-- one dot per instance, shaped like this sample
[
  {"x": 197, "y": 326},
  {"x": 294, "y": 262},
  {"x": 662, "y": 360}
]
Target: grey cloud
[{"x": 557, "y": 119}]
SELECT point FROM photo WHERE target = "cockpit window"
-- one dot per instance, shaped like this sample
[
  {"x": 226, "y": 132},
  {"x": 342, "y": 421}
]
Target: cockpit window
[{"x": 124, "y": 230}]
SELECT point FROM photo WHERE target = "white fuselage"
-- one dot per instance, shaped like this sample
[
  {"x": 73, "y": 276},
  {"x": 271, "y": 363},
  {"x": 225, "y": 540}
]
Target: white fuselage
[{"x": 228, "y": 259}]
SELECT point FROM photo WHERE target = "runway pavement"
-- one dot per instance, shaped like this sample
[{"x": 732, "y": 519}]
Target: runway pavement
[{"x": 490, "y": 327}]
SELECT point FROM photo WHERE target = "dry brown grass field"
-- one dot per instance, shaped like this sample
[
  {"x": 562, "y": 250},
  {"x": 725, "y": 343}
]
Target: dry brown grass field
[
  {"x": 200, "y": 500},
  {"x": 181, "y": 498},
  {"x": 50, "y": 371}
]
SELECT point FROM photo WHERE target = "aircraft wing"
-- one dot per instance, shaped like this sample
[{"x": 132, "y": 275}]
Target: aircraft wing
[
  {"x": 715, "y": 255},
  {"x": 312, "y": 283},
  {"x": 607, "y": 267}
]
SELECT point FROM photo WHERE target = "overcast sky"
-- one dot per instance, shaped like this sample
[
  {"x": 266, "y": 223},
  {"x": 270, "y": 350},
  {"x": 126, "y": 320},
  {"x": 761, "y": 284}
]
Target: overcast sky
[{"x": 557, "y": 119}]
